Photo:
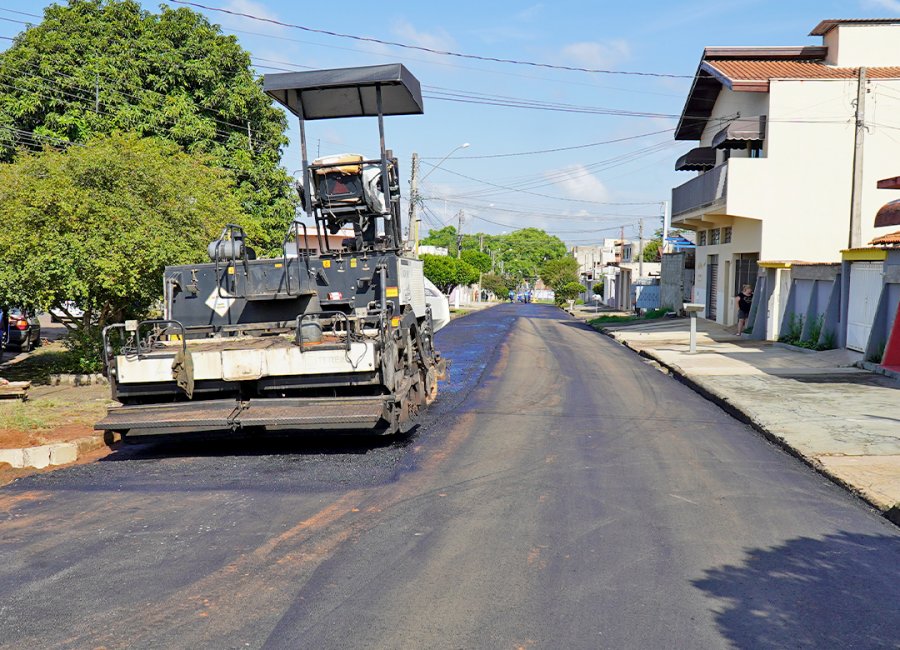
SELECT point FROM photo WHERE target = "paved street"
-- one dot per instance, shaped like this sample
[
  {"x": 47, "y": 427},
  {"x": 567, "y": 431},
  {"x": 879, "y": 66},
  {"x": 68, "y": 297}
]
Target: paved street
[{"x": 562, "y": 494}]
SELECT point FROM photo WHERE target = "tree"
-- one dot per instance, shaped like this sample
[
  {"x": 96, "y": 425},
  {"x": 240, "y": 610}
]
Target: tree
[
  {"x": 481, "y": 261},
  {"x": 98, "y": 66},
  {"x": 97, "y": 223},
  {"x": 443, "y": 238},
  {"x": 652, "y": 250},
  {"x": 568, "y": 291},
  {"x": 558, "y": 272},
  {"x": 448, "y": 272},
  {"x": 496, "y": 284},
  {"x": 524, "y": 251},
  {"x": 520, "y": 254}
]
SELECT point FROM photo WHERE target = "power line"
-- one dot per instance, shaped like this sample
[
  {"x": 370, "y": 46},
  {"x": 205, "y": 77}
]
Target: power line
[
  {"x": 543, "y": 151},
  {"x": 421, "y": 48},
  {"x": 20, "y": 13}
]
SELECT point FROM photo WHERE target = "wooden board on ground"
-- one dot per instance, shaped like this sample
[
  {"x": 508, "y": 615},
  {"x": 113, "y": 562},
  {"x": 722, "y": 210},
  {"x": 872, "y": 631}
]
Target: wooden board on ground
[{"x": 14, "y": 389}]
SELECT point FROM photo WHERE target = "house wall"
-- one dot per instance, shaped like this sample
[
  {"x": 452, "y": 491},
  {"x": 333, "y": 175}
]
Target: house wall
[{"x": 853, "y": 45}]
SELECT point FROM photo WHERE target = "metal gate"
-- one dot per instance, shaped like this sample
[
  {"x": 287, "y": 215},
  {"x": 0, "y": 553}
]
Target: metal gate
[
  {"x": 712, "y": 285},
  {"x": 745, "y": 270},
  {"x": 865, "y": 289}
]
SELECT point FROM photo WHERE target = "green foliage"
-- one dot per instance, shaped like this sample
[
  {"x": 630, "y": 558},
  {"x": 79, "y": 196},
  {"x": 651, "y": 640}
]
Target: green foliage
[
  {"x": 481, "y": 261},
  {"x": 444, "y": 238},
  {"x": 878, "y": 354},
  {"x": 496, "y": 284},
  {"x": 652, "y": 250},
  {"x": 795, "y": 330},
  {"x": 448, "y": 272},
  {"x": 518, "y": 255},
  {"x": 525, "y": 251},
  {"x": 172, "y": 75},
  {"x": 567, "y": 291},
  {"x": 556, "y": 273},
  {"x": 650, "y": 314},
  {"x": 598, "y": 288},
  {"x": 97, "y": 224}
]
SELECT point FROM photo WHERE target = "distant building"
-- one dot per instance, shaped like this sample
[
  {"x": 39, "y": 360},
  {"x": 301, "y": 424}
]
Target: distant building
[
  {"x": 776, "y": 133},
  {"x": 433, "y": 250}
]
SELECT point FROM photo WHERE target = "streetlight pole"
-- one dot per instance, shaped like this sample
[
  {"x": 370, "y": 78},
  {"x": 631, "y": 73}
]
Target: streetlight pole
[{"x": 414, "y": 221}]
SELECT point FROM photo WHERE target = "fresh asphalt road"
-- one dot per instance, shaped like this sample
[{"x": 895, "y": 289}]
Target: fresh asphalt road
[{"x": 561, "y": 494}]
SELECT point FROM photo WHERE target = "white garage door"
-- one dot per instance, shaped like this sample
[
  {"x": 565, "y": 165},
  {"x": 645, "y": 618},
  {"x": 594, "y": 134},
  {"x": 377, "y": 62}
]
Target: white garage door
[{"x": 865, "y": 288}]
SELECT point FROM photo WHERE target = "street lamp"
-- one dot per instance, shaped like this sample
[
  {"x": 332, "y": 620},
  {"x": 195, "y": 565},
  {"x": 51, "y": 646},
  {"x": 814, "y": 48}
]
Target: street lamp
[
  {"x": 414, "y": 194},
  {"x": 464, "y": 145}
]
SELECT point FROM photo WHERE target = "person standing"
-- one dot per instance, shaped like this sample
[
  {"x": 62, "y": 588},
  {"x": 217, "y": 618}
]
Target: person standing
[{"x": 743, "y": 300}]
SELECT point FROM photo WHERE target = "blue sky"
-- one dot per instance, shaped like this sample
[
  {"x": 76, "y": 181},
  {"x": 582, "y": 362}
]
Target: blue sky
[{"x": 572, "y": 193}]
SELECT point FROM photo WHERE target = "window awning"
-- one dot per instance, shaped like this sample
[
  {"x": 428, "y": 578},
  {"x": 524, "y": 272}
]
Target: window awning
[
  {"x": 697, "y": 159},
  {"x": 888, "y": 215},
  {"x": 739, "y": 132}
]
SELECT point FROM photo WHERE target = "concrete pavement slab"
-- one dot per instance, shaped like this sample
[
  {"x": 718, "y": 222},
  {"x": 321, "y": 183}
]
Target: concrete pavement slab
[{"x": 841, "y": 419}]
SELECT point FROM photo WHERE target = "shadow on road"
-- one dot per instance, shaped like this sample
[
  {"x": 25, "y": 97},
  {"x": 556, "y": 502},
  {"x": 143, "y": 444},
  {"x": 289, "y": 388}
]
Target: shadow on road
[
  {"x": 841, "y": 591},
  {"x": 225, "y": 443}
]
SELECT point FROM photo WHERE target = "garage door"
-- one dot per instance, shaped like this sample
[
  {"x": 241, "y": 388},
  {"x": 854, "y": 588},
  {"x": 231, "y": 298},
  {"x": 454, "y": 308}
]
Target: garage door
[{"x": 865, "y": 289}]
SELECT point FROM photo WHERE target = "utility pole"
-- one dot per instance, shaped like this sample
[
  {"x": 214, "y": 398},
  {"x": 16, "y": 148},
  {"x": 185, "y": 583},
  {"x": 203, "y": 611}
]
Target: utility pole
[
  {"x": 641, "y": 248},
  {"x": 667, "y": 221},
  {"x": 461, "y": 215},
  {"x": 413, "y": 199},
  {"x": 855, "y": 238}
]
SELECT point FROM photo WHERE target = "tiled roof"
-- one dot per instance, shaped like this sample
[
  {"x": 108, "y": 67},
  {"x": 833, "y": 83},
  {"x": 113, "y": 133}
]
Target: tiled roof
[
  {"x": 737, "y": 70},
  {"x": 890, "y": 239}
]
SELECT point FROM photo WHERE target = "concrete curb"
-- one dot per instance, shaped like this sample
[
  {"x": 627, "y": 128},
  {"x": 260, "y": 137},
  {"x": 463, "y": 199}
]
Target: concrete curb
[
  {"x": 53, "y": 454},
  {"x": 94, "y": 379},
  {"x": 878, "y": 369},
  {"x": 891, "y": 514},
  {"x": 795, "y": 348}
]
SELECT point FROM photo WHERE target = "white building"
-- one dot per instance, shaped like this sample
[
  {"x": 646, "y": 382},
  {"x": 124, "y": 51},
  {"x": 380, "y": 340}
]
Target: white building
[{"x": 776, "y": 129}]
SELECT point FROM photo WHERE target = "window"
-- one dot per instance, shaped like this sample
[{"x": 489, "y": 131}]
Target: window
[
  {"x": 726, "y": 235},
  {"x": 714, "y": 236},
  {"x": 701, "y": 238},
  {"x": 755, "y": 149}
]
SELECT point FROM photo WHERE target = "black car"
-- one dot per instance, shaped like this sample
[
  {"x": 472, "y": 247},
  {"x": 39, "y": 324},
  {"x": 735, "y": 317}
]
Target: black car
[{"x": 20, "y": 329}]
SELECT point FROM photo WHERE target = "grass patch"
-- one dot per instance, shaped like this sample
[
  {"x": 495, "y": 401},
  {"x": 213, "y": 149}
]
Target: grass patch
[
  {"x": 49, "y": 359},
  {"x": 650, "y": 314},
  {"x": 44, "y": 413}
]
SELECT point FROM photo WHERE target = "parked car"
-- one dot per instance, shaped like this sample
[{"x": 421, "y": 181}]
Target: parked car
[
  {"x": 74, "y": 311},
  {"x": 21, "y": 329}
]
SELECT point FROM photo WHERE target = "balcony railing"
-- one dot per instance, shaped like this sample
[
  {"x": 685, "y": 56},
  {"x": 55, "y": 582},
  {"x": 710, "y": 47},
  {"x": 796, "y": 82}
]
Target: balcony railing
[{"x": 706, "y": 189}]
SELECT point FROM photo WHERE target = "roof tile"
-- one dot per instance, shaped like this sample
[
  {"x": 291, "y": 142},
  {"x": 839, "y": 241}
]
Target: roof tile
[{"x": 756, "y": 70}]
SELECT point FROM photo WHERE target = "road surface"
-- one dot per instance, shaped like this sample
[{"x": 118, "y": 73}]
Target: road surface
[{"x": 562, "y": 494}]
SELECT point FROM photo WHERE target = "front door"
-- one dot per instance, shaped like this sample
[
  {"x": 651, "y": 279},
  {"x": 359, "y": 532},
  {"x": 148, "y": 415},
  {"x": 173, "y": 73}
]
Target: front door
[
  {"x": 865, "y": 289},
  {"x": 712, "y": 286}
]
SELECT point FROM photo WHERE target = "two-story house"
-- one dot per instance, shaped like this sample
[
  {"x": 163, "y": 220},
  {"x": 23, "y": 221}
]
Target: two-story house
[{"x": 790, "y": 141}]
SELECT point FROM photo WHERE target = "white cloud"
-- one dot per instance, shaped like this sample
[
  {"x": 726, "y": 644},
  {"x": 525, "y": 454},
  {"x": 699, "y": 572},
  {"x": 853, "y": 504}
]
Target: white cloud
[
  {"x": 439, "y": 40},
  {"x": 530, "y": 13},
  {"x": 890, "y": 5},
  {"x": 594, "y": 54},
  {"x": 579, "y": 183},
  {"x": 247, "y": 7}
]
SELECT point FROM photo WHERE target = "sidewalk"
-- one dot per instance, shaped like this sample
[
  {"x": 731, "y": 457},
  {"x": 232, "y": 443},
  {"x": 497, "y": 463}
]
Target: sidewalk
[{"x": 843, "y": 421}]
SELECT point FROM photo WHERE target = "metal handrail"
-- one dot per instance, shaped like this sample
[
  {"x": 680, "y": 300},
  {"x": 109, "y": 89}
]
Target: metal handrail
[
  {"x": 107, "y": 351},
  {"x": 293, "y": 230}
]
